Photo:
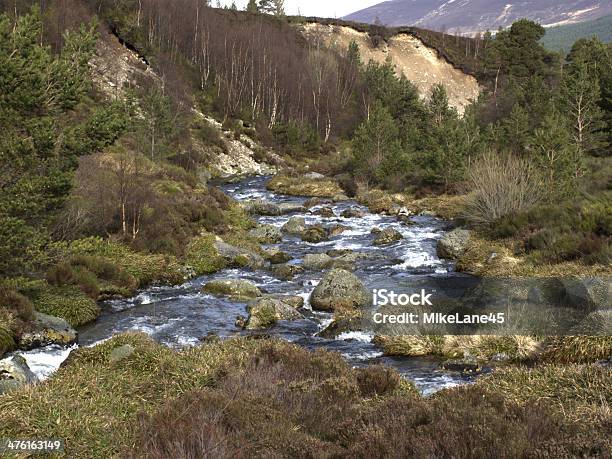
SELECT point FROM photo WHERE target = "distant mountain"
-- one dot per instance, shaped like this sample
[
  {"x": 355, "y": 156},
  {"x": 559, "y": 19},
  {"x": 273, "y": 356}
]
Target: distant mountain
[
  {"x": 561, "y": 38},
  {"x": 467, "y": 16}
]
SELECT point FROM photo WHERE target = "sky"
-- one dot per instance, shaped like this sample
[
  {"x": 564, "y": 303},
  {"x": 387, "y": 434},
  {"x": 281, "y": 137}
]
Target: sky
[{"x": 321, "y": 8}]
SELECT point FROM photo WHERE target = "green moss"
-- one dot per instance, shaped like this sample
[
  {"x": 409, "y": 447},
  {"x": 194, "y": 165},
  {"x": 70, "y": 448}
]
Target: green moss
[
  {"x": 202, "y": 255},
  {"x": 265, "y": 316},
  {"x": 145, "y": 268},
  {"x": 237, "y": 218},
  {"x": 68, "y": 302},
  {"x": 7, "y": 342},
  {"x": 237, "y": 289},
  {"x": 302, "y": 186}
]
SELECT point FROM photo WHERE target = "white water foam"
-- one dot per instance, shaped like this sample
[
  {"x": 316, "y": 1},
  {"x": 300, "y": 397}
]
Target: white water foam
[
  {"x": 45, "y": 361},
  {"x": 356, "y": 336}
]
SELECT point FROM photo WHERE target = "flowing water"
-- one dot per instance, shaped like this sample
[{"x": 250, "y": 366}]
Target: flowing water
[{"x": 181, "y": 316}]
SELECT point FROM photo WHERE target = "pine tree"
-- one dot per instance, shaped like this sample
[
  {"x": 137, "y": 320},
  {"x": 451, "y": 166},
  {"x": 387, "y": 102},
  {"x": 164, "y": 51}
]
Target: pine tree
[
  {"x": 375, "y": 144},
  {"x": 580, "y": 98},
  {"x": 252, "y": 6},
  {"x": 556, "y": 156}
]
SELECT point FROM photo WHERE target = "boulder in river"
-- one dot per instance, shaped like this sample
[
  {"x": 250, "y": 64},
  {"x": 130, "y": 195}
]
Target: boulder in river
[
  {"x": 388, "y": 236},
  {"x": 325, "y": 212},
  {"x": 278, "y": 257},
  {"x": 304, "y": 186},
  {"x": 295, "y": 225},
  {"x": 339, "y": 289},
  {"x": 15, "y": 373},
  {"x": 454, "y": 243},
  {"x": 265, "y": 312},
  {"x": 237, "y": 289},
  {"x": 287, "y": 272},
  {"x": 353, "y": 212},
  {"x": 314, "y": 234},
  {"x": 337, "y": 230},
  {"x": 47, "y": 330},
  {"x": 266, "y": 234},
  {"x": 262, "y": 207},
  {"x": 238, "y": 256},
  {"x": 341, "y": 325},
  {"x": 317, "y": 261},
  {"x": 291, "y": 208}
]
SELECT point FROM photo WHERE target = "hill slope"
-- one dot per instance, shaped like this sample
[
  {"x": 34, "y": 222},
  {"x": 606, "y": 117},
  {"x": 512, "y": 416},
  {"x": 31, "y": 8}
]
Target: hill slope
[
  {"x": 479, "y": 15},
  {"x": 563, "y": 37}
]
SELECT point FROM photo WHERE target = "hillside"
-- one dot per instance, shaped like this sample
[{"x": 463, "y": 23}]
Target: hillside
[
  {"x": 420, "y": 63},
  {"x": 561, "y": 38},
  {"x": 470, "y": 16}
]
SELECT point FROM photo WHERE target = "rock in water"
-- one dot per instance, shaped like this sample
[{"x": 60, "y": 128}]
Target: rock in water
[
  {"x": 47, "y": 330},
  {"x": 15, "y": 373},
  {"x": 291, "y": 208},
  {"x": 388, "y": 236},
  {"x": 317, "y": 261},
  {"x": 295, "y": 225},
  {"x": 339, "y": 289},
  {"x": 237, "y": 289},
  {"x": 265, "y": 312},
  {"x": 287, "y": 272},
  {"x": 454, "y": 243},
  {"x": 314, "y": 234},
  {"x": 353, "y": 212},
  {"x": 266, "y": 234}
]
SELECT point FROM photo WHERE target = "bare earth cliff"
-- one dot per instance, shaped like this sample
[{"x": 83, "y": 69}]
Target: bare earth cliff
[{"x": 419, "y": 63}]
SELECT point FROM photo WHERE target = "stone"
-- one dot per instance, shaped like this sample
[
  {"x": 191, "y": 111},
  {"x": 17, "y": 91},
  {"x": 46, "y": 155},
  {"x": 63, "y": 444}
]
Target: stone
[
  {"x": 454, "y": 244},
  {"x": 314, "y": 176},
  {"x": 317, "y": 261},
  {"x": 339, "y": 289},
  {"x": 465, "y": 366},
  {"x": 267, "y": 311},
  {"x": 237, "y": 289},
  {"x": 47, "y": 330},
  {"x": 291, "y": 208},
  {"x": 266, "y": 234},
  {"x": 295, "y": 226},
  {"x": 353, "y": 212},
  {"x": 279, "y": 257},
  {"x": 237, "y": 256},
  {"x": 388, "y": 236},
  {"x": 121, "y": 353},
  {"x": 337, "y": 230},
  {"x": 262, "y": 207},
  {"x": 325, "y": 212},
  {"x": 314, "y": 234},
  {"x": 15, "y": 373},
  {"x": 341, "y": 325},
  {"x": 287, "y": 272}
]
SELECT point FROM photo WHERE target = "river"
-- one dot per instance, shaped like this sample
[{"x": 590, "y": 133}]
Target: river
[{"x": 180, "y": 316}]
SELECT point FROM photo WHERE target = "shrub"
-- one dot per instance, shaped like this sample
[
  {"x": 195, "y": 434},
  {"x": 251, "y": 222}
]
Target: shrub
[
  {"x": 202, "y": 255},
  {"x": 69, "y": 303},
  {"x": 377, "y": 380},
  {"x": 501, "y": 186}
]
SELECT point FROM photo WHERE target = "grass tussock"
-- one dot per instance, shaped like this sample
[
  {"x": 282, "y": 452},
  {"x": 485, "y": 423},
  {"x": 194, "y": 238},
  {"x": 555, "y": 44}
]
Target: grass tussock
[
  {"x": 577, "y": 349},
  {"x": 516, "y": 347},
  {"x": 302, "y": 186},
  {"x": 580, "y": 391},
  {"x": 146, "y": 268}
]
